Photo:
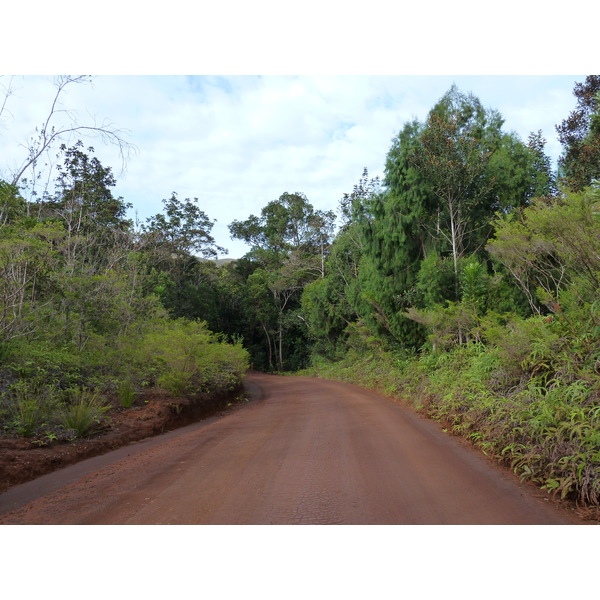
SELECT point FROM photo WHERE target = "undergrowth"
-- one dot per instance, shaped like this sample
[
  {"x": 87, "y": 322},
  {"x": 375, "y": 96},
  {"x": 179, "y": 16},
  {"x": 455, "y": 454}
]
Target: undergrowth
[{"x": 58, "y": 394}]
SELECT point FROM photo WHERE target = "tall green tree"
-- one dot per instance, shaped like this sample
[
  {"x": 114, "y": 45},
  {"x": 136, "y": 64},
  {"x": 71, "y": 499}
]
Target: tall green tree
[
  {"x": 395, "y": 232},
  {"x": 551, "y": 245},
  {"x": 182, "y": 228},
  {"x": 542, "y": 177},
  {"x": 445, "y": 179},
  {"x": 84, "y": 198},
  {"x": 176, "y": 245},
  {"x": 287, "y": 225},
  {"x": 579, "y": 135}
]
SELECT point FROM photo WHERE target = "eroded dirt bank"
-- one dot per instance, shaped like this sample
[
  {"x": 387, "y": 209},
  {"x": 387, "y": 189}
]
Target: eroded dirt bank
[
  {"x": 306, "y": 451},
  {"x": 154, "y": 412}
]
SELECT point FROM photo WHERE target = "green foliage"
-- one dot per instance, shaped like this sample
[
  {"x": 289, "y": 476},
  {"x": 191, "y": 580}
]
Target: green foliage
[
  {"x": 525, "y": 346},
  {"x": 83, "y": 412},
  {"x": 323, "y": 311},
  {"x": 287, "y": 224},
  {"x": 435, "y": 281},
  {"x": 519, "y": 173},
  {"x": 12, "y": 205},
  {"x": 183, "y": 229},
  {"x": 579, "y": 135},
  {"x": 27, "y": 408},
  {"x": 186, "y": 358},
  {"x": 290, "y": 242},
  {"x": 550, "y": 244},
  {"x": 126, "y": 392},
  {"x": 32, "y": 408},
  {"x": 84, "y": 301},
  {"x": 27, "y": 261},
  {"x": 444, "y": 181},
  {"x": 41, "y": 360},
  {"x": 448, "y": 326},
  {"x": 84, "y": 202}
]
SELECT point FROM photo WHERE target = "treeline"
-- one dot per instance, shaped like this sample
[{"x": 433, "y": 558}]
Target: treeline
[
  {"x": 424, "y": 254},
  {"x": 92, "y": 306}
]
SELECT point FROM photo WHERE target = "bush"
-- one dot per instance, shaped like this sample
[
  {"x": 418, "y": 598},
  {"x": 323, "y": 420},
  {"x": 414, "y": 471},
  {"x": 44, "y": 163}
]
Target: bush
[
  {"x": 185, "y": 358},
  {"x": 84, "y": 411},
  {"x": 28, "y": 408},
  {"x": 126, "y": 392}
]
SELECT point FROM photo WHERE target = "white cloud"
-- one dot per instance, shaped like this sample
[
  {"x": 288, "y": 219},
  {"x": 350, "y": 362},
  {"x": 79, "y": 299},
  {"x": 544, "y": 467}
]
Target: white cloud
[{"x": 237, "y": 143}]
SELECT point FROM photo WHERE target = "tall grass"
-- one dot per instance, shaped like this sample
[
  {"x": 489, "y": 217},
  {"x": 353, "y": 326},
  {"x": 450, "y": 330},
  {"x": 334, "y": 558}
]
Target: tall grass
[{"x": 84, "y": 412}]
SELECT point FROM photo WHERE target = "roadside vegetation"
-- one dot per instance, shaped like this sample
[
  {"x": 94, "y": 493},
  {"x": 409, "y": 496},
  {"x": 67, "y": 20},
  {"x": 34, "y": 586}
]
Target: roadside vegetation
[
  {"x": 93, "y": 309},
  {"x": 465, "y": 282},
  {"x": 483, "y": 314}
]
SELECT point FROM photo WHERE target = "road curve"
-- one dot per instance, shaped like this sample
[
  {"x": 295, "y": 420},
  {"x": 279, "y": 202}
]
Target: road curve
[{"x": 305, "y": 451}]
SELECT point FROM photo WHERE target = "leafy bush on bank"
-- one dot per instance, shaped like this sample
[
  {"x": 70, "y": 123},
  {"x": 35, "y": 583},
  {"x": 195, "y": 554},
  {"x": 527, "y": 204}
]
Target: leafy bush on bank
[{"x": 58, "y": 393}]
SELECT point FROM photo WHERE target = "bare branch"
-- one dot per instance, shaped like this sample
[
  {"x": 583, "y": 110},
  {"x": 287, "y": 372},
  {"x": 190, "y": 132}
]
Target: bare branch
[
  {"x": 7, "y": 93},
  {"x": 50, "y": 133}
]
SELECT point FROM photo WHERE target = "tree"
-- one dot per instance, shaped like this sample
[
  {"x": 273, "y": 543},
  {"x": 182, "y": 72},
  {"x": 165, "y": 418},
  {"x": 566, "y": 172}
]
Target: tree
[
  {"x": 543, "y": 180},
  {"x": 29, "y": 263},
  {"x": 579, "y": 135},
  {"x": 288, "y": 224},
  {"x": 453, "y": 156},
  {"x": 12, "y": 205},
  {"x": 264, "y": 311},
  {"x": 445, "y": 179},
  {"x": 354, "y": 205},
  {"x": 332, "y": 304},
  {"x": 175, "y": 246},
  {"x": 182, "y": 229},
  {"x": 328, "y": 303},
  {"x": 84, "y": 200},
  {"x": 551, "y": 245},
  {"x": 395, "y": 233},
  {"x": 290, "y": 242}
]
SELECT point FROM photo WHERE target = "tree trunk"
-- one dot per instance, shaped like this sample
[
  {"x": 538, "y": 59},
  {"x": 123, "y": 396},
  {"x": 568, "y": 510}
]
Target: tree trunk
[{"x": 269, "y": 345}]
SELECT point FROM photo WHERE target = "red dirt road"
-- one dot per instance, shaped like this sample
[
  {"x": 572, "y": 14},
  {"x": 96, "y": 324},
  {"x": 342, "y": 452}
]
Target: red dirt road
[{"x": 305, "y": 451}]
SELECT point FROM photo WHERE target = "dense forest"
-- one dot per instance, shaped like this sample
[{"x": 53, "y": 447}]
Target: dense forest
[{"x": 464, "y": 281}]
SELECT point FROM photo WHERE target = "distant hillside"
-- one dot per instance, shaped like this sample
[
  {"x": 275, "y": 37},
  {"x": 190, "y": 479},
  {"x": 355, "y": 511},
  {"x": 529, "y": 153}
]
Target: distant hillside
[{"x": 223, "y": 261}]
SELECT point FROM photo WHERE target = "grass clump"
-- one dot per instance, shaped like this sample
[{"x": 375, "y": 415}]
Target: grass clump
[
  {"x": 83, "y": 413},
  {"x": 126, "y": 393},
  {"x": 27, "y": 408}
]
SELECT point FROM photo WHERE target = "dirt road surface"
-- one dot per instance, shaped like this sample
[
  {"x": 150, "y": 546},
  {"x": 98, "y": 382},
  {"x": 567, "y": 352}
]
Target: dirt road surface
[{"x": 304, "y": 451}]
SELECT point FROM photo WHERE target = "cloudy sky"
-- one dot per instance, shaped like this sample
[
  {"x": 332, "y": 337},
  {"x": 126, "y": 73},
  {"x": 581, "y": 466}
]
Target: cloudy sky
[
  {"x": 289, "y": 100},
  {"x": 238, "y": 142}
]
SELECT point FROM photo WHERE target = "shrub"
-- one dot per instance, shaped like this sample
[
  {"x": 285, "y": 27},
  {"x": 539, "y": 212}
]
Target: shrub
[
  {"x": 126, "y": 392},
  {"x": 185, "y": 358},
  {"x": 84, "y": 411},
  {"x": 28, "y": 408}
]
